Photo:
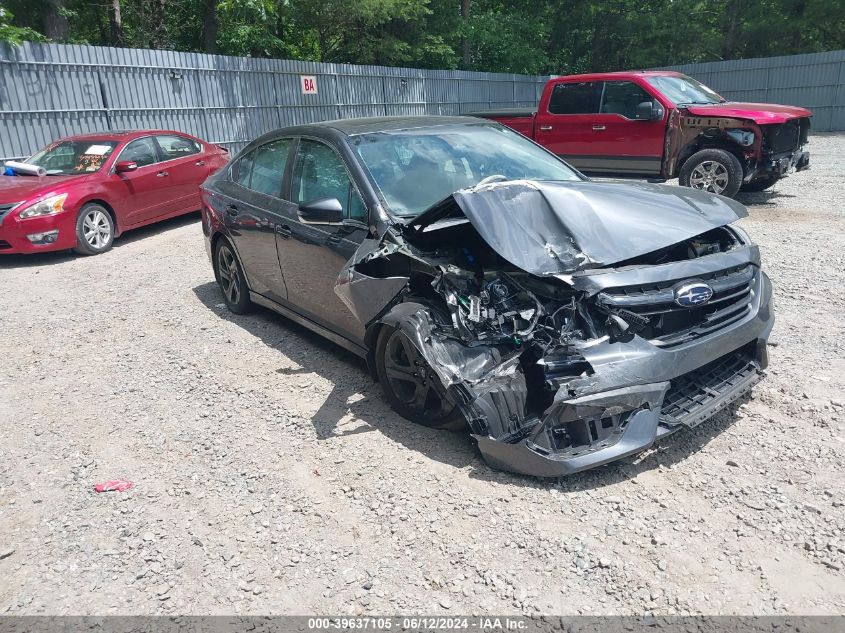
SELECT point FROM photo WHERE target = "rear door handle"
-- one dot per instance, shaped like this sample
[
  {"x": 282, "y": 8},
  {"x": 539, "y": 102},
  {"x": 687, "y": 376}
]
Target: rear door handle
[
  {"x": 162, "y": 174},
  {"x": 199, "y": 163},
  {"x": 545, "y": 128},
  {"x": 283, "y": 230},
  {"x": 599, "y": 128},
  {"x": 232, "y": 210}
]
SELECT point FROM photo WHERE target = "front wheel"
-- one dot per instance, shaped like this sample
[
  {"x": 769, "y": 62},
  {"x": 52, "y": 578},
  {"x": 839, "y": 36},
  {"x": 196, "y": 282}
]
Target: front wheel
[
  {"x": 94, "y": 230},
  {"x": 412, "y": 389},
  {"x": 231, "y": 279},
  {"x": 714, "y": 170},
  {"x": 761, "y": 184}
]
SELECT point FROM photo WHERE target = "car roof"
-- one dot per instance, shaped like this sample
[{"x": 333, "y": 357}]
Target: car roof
[
  {"x": 624, "y": 74},
  {"x": 369, "y": 125},
  {"x": 120, "y": 135}
]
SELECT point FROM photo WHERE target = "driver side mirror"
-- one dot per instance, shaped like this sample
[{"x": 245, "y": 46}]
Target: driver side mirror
[
  {"x": 649, "y": 111},
  {"x": 125, "y": 166},
  {"x": 321, "y": 211}
]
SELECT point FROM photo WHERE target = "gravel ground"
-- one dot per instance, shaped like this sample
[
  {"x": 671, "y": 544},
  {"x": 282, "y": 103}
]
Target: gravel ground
[{"x": 272, "y": 478}]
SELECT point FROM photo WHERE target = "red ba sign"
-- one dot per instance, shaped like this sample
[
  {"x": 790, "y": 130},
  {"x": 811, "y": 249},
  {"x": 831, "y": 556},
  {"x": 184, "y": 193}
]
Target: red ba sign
[{"x": 309, "y": 84}]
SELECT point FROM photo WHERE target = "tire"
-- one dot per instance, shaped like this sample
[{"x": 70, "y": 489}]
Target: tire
[
  {"x": 713, "y": 170},
  {"x": 230, "y": 278},
  {"x": 94, "y": 230},
  {"x": 760, "y": 184},
  {"x": 410, "y": 386}
]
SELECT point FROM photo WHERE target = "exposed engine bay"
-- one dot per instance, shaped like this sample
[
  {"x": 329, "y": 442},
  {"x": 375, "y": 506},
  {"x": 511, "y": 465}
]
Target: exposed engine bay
[{"x": 558, "y": 359}]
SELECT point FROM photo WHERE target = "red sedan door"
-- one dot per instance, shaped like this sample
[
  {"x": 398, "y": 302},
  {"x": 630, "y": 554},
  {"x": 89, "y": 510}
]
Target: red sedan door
[
  {"x": 142, "y": 194},
  {"x": 187, "y": 166}
]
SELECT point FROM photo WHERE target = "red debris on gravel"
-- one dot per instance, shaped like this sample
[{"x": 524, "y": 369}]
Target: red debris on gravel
[{"x": 116, "y": 485}]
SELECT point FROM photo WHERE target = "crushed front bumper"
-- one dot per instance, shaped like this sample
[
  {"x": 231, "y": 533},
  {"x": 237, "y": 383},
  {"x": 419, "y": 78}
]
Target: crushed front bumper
[
  {"x": 638, "y": 393},
  {"x": 780, "y": 165}
]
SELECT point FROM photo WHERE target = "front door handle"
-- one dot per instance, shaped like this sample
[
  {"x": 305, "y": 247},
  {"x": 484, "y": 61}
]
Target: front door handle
[
  {"x": 545, "y": 128},
  {"x": 199, "y": 163},
  {"x": 232, "y": 210},
  {"x": 283, "y": 230},
  {"x": 599, "y": 128},
  {"x": 162, "y": 174}
]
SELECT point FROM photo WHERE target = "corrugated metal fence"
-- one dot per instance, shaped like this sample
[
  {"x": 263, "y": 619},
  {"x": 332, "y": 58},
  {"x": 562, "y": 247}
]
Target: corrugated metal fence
[
  {"x": 814, "y": 80},
  {"x": 52, "y": 90}
]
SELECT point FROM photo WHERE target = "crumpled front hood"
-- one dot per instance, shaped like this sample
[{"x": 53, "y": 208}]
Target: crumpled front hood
[
  {"x": 21, "y": 188},
  {"x": 760, "y": 113},
  {"x": 548, "y": 228}
]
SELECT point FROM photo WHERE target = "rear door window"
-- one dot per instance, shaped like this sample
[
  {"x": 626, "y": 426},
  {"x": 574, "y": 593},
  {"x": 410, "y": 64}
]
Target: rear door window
[
  {"x": 263, "y": 168},
  {"x": 174, "y": 146},
  {"x": 575, "y": 98}
]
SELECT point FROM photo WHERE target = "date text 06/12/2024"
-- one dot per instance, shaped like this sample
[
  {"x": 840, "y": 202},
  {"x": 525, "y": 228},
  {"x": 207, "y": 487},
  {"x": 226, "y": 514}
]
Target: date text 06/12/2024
[{"x": 418, "y": 623}]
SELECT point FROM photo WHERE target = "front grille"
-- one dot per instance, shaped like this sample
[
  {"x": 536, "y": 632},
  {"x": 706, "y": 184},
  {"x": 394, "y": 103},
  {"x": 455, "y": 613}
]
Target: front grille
[
  {"x": 5, "y": 208},
  {"x": 785, "y": 137},
  {"x": 4, "y": 245},
  {"x": 700, "y": 394},
  {"x": 658, "y": 318}
]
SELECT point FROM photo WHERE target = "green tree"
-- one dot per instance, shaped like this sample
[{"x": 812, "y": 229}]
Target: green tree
[{"x": 10, "y": 32}]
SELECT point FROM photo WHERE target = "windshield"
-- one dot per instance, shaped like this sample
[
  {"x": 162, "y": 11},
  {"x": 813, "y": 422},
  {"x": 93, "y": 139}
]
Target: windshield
[
  {"x": 414, "y": 169},
  {"x": 684, "y": 90},
  {"x": 73, "y": 157}
]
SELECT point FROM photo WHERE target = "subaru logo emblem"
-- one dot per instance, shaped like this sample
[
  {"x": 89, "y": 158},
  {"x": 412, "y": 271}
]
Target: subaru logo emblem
[{"x": 692, "y": 293}]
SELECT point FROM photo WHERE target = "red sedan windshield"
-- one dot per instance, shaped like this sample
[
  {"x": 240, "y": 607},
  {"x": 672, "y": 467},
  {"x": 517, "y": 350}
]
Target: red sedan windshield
[{"x": 73, "y": 157}]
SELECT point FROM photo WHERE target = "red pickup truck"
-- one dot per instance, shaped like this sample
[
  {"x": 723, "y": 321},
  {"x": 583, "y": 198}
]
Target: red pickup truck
[{"x": 661, "y": 125}]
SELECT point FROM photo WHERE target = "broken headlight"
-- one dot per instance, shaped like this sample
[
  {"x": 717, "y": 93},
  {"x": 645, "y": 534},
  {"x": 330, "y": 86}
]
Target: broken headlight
[{"x": 743, "y": 137}]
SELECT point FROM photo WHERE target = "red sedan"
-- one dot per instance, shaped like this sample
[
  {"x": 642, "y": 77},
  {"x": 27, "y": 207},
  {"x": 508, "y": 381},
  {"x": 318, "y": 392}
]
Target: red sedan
[{"x": 96, "y": 186}]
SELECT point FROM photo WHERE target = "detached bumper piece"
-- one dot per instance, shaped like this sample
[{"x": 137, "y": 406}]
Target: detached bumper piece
[
  {"x": 700, "y": 394},
  {"x": 582, "y": 433}
]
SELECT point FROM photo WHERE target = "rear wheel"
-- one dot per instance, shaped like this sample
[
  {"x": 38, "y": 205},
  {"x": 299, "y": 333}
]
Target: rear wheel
[
  {"x": 230, "y": 277},
  {"x": 760, "y": 184},
  {"x": 412, "y": 389},
  {"x": 713, "y": 170}
]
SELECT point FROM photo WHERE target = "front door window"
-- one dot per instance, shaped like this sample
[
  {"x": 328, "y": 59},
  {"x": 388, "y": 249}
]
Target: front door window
[{"x": 319, "y": 172}]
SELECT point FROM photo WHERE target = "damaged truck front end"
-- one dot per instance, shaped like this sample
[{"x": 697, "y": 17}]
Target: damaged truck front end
[{"x": 571, "y": 323}]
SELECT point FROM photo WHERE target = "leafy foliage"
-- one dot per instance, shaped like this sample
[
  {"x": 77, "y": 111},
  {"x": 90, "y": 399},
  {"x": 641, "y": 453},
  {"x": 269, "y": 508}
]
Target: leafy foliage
[{"x": 521, "y": 36}]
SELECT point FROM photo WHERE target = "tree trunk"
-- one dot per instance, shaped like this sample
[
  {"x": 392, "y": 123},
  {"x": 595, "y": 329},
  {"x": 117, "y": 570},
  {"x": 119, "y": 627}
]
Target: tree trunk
[
  {"x": 115, "y": 24},
  {"x": 157, "y": 31},
  {"x": 209, "y": 27},
  {"x": 55, "y": 24},
  {"x": 466, "y": 51},
  {"x": 732, "y": 29}
]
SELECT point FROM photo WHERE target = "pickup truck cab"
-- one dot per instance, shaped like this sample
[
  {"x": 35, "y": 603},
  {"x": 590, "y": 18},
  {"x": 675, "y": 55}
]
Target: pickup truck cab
[{"x": 661, "y": 125}]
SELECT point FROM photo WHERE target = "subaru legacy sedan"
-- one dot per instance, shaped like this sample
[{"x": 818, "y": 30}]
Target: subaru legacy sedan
[
  {"x": 566, "y": 323},
  {"x": 88, "y": 189}
]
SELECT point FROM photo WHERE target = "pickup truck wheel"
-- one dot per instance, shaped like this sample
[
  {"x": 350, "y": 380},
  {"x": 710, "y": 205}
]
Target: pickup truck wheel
[
  {"x": 761, "y": 184},
  {"x": 713, "y": 170}
]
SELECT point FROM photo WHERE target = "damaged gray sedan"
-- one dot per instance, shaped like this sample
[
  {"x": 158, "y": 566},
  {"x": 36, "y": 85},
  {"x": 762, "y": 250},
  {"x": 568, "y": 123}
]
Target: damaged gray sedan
[{"x": 567, "y": 323}]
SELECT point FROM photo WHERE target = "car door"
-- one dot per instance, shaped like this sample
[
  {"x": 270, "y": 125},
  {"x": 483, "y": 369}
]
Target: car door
[
  {"x": 313, "y": 255},
  {"x": 186, "y": 170},
  {"x": 565, "y": 124},
  {"x": 253, "y": 212},
  {"x": 622, "y": 142},
  {"x": 144, "y": 193}
]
